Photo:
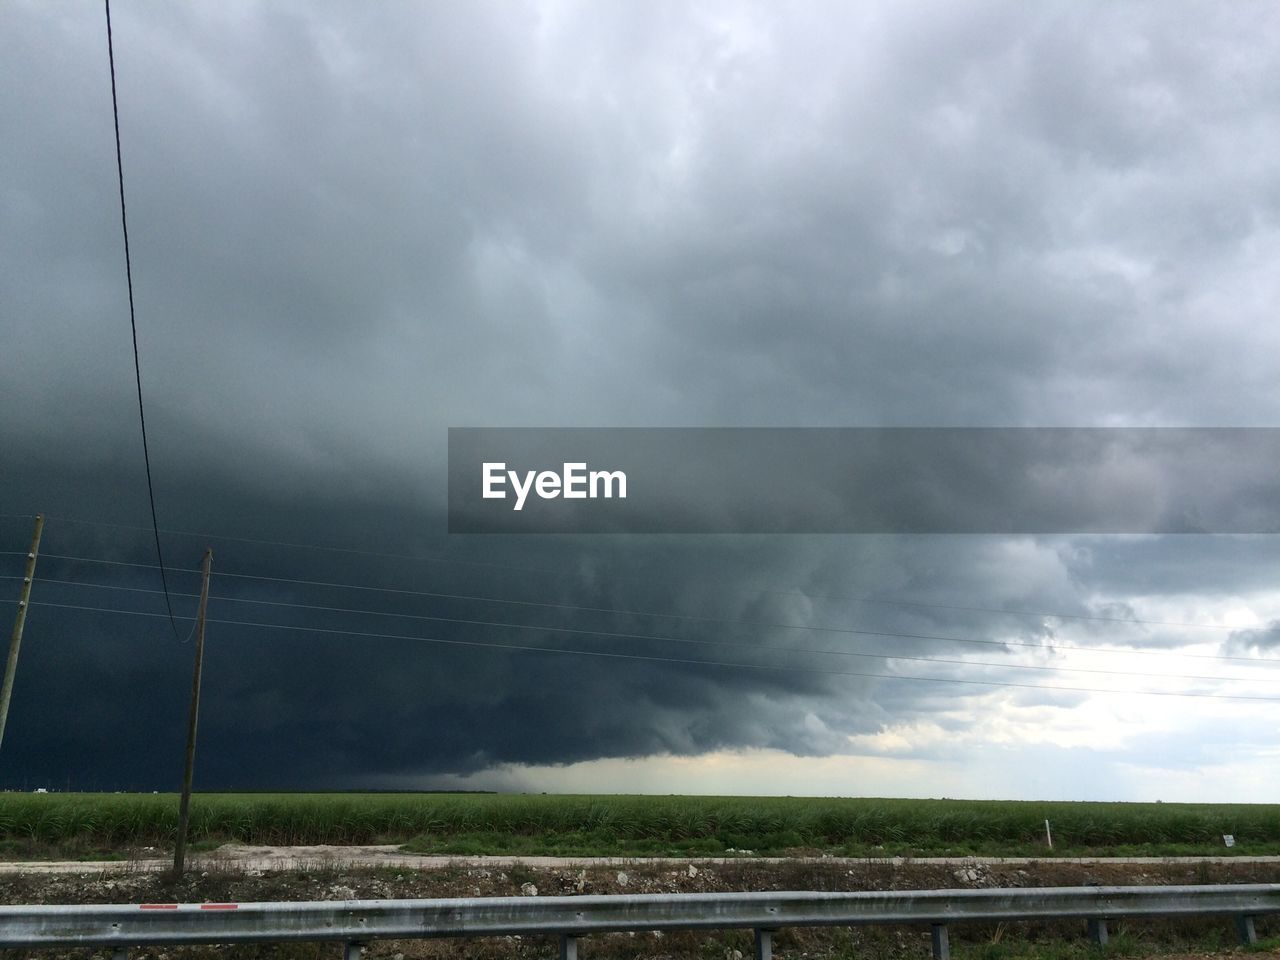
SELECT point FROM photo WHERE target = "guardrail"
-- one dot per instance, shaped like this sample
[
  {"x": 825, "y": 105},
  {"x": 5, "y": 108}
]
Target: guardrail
[{"x": 357, "y": 922}]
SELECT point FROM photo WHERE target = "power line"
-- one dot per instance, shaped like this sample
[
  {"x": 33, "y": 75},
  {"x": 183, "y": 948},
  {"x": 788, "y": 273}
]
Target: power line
[
  {"x": 772, "y": 648},
  {"x": 133, "y": 324},
  {"x": 114, "y": 563},
  {"x": 795, "y": 592},
  {"x": 706, "y": 663},
  {"x": 657, "y": 614}
]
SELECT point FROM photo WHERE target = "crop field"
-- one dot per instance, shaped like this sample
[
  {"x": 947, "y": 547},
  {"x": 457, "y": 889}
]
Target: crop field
[{"x": 83, "y": 824}]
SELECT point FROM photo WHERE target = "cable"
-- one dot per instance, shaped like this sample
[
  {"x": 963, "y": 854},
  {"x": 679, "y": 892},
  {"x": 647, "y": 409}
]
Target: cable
[
  {"x": 705, "y": 663},
  {"x": 133, "y": 324},
  {"x": 737, "y": 590},
  {"x": 670, "y": 616},
  {"x": 113, "y": 563},
  {"x": 726, "y": 643}
]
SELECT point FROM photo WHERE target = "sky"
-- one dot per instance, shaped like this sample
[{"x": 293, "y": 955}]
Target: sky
[{"x": 354, "y": 227}]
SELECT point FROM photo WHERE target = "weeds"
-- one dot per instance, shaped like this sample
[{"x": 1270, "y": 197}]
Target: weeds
[{"x": 466, "y": 824}]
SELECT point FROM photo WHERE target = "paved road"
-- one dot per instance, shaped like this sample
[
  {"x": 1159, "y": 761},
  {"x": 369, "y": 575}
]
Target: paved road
[{"x": 291, "y": 858}]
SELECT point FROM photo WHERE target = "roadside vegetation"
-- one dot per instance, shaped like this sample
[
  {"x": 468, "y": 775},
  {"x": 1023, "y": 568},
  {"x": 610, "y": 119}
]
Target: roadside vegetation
[{"x": 92, "y": 825}]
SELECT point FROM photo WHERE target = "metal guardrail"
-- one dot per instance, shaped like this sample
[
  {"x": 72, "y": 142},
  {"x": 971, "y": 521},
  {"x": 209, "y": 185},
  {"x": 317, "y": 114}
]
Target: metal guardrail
[{"x": 357, "y": 922}]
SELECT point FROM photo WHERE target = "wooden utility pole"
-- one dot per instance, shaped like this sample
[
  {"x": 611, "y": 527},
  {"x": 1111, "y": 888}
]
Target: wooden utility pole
[
  {"x": 15, "y": 642},
  {"x": 184, "y": 808}
]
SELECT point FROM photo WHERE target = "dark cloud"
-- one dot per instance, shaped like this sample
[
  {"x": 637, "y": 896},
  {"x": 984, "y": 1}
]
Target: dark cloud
[
  {"x": 354, "y": 228},
  {"x": 1259, "y": 640}
]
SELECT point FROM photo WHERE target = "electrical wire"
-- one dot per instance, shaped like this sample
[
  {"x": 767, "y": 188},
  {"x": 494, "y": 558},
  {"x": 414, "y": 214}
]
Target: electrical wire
[
  {"x": 656, "y": 614},
  {"x": 737, "y": 590},
  {"x": 133, "y": 324},
  {"x": 772, "y": 648},
  {"x": 706, "y": 663}
]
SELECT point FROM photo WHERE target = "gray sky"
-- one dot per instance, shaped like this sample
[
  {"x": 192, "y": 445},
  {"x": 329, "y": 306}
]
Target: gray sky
[{"x": 353, "y": 228}]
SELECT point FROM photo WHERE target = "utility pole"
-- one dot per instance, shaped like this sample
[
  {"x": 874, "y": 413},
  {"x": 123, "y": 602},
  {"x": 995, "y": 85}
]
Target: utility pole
[
  {"x": 15, "y": 642},
  {"x": 184, "y": 808}
]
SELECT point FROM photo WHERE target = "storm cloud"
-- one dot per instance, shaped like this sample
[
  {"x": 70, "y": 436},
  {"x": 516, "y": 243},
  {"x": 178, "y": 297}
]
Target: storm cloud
[{"x": 353, "y": 228}]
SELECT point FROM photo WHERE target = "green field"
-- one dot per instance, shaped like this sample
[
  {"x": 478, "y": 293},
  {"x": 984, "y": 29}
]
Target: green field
[{"x": 86, "y": 824}]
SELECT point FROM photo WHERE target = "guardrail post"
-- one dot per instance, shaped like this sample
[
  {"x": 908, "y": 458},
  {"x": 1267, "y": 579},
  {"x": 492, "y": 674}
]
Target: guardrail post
[
  {"x": 568, "y": 947},
  {"x": 1098, "y": 931},
  {"x": 1244, "y": 927},
  {"x": 764, "y": 944},
  {"x": 941, "y": 942},
  {"x": 352, "y": 950}
]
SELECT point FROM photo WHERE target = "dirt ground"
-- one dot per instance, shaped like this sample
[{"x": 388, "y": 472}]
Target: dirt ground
[{"x": 333, "y": 881}]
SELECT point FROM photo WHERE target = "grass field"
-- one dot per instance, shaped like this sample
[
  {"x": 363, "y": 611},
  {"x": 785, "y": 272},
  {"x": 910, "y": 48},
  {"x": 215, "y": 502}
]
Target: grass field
[{"x": 83, "y": 824}]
